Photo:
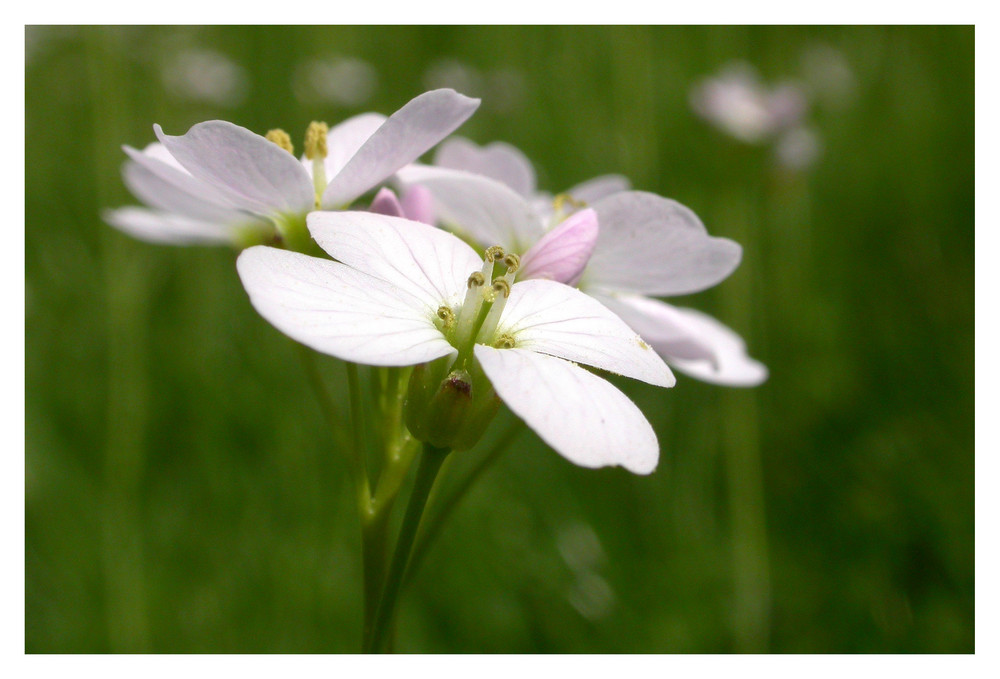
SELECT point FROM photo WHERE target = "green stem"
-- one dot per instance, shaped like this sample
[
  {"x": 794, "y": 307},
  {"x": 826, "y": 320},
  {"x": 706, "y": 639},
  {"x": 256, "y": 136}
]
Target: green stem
[
  {"x": 358, "y": 436},
  {"x": 430, "y": 464},
  {"x": 329, "y": 408},
  {"x": 431, "y": 527}
]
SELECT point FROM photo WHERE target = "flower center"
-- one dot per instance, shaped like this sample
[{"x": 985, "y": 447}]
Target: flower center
[
  {"x": 476, "y": 321},
  {"x": 315, "y": 146}
]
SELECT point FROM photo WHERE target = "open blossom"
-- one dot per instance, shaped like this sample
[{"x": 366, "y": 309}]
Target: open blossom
[
  {"x": 221, "y": 183},
  {"x": 404, "y": 293},
  {"x": 624, "y": 250}
]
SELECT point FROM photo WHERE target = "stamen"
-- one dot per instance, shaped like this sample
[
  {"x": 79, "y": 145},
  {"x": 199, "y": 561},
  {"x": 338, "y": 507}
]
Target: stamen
[
  {"x": 501, "y": 286},
  {"x": 512, "y": 262},
  {"x": 499, "y": 291},
  {"x": 494, "y": 253},
  {"x": 447, "y": 315},
  {"x": 316, "y": 152},
  {"x": 505, "y": 341},
  {"x": 316, "y": 140},
  {"x": 280, "y": 138},
  {"x": 477, "y": 279}
]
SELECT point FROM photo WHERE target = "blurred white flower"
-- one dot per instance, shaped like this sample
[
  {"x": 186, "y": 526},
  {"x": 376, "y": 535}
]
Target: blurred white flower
[
  {"x": 456, "y": 75},
  {"x": 404, "y": 293},
  {"x": 344, "y": 81},
  {"x": 798, "y": 148},
  {"x": 828, "y": 76},
  {"x": 738, "y": 103},
  {"x": 205, "y": 75}
]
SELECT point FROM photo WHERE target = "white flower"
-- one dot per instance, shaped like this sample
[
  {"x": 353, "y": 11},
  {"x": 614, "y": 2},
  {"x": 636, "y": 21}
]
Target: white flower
[
  {"x": 630, "y": 247},
  {"x": 220, "y": 182},
  {"x": 405, "y": 293}
]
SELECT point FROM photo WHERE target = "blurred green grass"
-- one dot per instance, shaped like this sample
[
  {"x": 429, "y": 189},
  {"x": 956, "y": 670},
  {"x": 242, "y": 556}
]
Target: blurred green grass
[{"x": 181, "y": 491}]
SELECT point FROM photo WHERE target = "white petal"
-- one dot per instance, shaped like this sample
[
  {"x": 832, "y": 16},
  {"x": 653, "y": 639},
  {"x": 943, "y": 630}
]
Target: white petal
[
  {"x": 732, "y": 366},
  {"x": 556, "y": 319},
  {"x": 157, "y": 160},
  {"x": 248, "y": 169},
  {"x": 402, "y": 138},
  {"x": 169, "y": 229},
  {"x": 595, "y": 189},
  {"x": 663, "y": 326},
  {"x": 482, "y": 209},
  {"x": 499, "y": 161},
  {"x": 152, "y": 189},
  {"x": 655, "y": 246},
  {"x": 427, "y": 262},
  {"x": 344, "y": 140},
  {"x": 339, "y": 311},
  {"x": 583, "y": 417}
]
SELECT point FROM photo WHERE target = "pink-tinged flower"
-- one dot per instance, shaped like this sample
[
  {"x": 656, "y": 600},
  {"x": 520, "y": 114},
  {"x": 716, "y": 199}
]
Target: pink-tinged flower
[
  {"x": 643, "y": 246},
  {"x": 404, "y": 293},
  {"x": 219, "y": 182},
  {"x": 738, "y": 103}
]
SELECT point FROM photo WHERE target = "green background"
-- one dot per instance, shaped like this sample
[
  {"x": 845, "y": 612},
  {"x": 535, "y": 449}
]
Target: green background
[{"x": 182, "y": 494}]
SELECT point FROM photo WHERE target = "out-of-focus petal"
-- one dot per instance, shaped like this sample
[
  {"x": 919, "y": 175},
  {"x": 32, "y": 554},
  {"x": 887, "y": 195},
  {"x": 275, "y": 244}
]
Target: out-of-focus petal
[
  {"x": 157, "y": 160},
  {"x": 583, "y": 417},
  {"x": 595, "y": 189},
  {"x": 499, "y": 161},
  {"x": 418, "y": 205},
  {"x": 562, "y": 254},
  {"x": 248, "y": 169},
  {"x": 152, "y": 189},
  {"x": 655, "y": 246},
  {"x": 386, "y": 203},
  {"x": 401, "y": 139},
  {"x": 169, "y": 229},
  {"x": 429, "y": 263},
  {"x": 663, "y": 326},
  {"x": 338, "y": 310},
  {"x": 344, "y": 140},
  {"x": 558, "y": 320},
  {"x": 732, "y": 367},
  {"x": 483, "y": 209}
]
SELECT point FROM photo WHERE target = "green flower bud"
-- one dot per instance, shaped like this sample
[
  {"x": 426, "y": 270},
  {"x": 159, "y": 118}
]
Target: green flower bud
[{"x": 449, "y": 408}]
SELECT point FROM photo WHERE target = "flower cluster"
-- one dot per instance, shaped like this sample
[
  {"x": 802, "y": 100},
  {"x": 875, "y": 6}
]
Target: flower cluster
[{"x": 493, "y": 291}]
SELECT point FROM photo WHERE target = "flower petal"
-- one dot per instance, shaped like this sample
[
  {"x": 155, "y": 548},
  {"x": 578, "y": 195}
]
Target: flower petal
[
  {"x": 485, "y": 210},
  {"x": 499, "y": 161},
  {"x": 344, "y": 140},
  {"x": 562, "y": 254},
  {"x": 663, "y": 326},
  {"x": 248, "y": 169},
  {"x": 152, "y": 189},
  {"x": 386, "y": 203},
  {"x": 418, "y": 205},
  {"x": 427, "y": 262},
  {"x": 169, "y": 229},
  {"x": 583, "y": 417},
  {"x": 655, "y": 246},
  {"x": 401, "y": 139},
  {"x": 595, "y": 189},
  {"x": 157, "y": 160},
  {"x": 731, "y": 367},
  {"x": 556, "y": 319},
  {"x": 338, "y": 310}
]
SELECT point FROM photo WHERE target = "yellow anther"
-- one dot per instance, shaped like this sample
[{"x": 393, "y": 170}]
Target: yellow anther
[
  {"x": 504, "y": 341},
  {"x": 281, "y": 138},
  {"x": 512, "y": 262},
  {"x": 476, "y": 279},
  {"x": 316, "y": 140},
  {"x": 494, "y": 253},
  {"x": 501, "y": 286},
  {"x": 564, "y": 199},
  {"x": 447, "y": 315}
]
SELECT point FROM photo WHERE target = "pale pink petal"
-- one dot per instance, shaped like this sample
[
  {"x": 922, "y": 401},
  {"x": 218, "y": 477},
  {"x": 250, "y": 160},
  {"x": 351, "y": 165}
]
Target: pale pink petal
[
  {"x": 558, "y": 320},
  {"x": 731, "y": 367},
  {"x": 499, "y": 161},
  {"x": 655, "y": 246},
  {"x": 402, "y": 138},
  {"x": 593, "y": 190},
  {"x": 562, "y": 254},
  {"x": 418, "y": 205},
  {"x": 338, "y": 310},
  {"x": 663, "y": 326},
  {"x": 482, "y": 209},
  {"x": 583, "y": 417},
  {"x": 386, "y": 203},
  {"x": 429, "y": 263},
  {"x": 168, "y": 229},
  {"x": 152, "y": 189},
  {"x": 252, "y": 172}
]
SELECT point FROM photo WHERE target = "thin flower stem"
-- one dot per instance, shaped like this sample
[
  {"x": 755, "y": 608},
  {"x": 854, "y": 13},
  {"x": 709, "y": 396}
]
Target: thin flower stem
[
  {"x": 430, "y": 464},
  {"x": 431, "y": 527},
  {"x": 358, "y": 437}
]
